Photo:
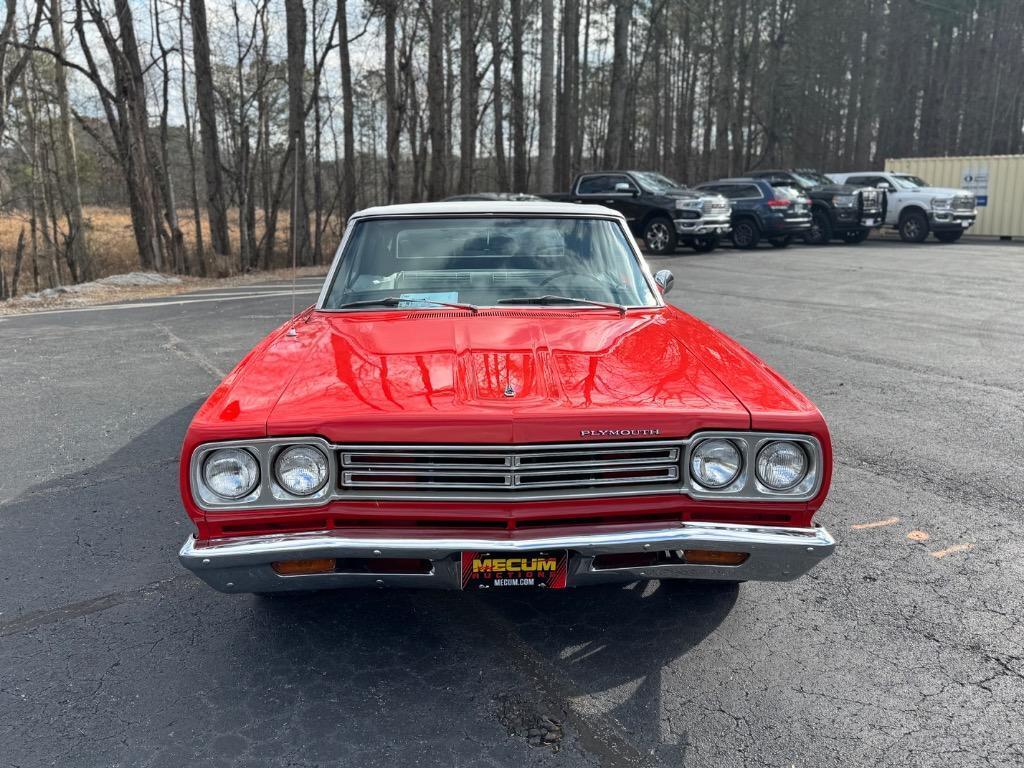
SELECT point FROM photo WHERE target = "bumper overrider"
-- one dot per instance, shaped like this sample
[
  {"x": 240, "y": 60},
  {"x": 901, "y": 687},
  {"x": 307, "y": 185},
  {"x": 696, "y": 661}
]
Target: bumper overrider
[{"x": 253, "y": 563}]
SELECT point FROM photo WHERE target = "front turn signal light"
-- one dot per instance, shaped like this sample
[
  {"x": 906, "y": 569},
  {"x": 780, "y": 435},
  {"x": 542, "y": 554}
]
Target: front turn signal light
[
  {"x": 714, "y": 557},
  {"x": 299, "y": 567}
]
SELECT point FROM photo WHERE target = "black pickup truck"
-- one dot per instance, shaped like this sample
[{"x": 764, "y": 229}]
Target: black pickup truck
[
  {"x": 662, "y": 212},
  {"x": 838, "y": 211}
]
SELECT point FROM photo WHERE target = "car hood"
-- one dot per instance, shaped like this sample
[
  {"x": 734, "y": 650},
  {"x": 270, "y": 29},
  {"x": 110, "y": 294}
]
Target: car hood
[
  {"x": 941, "y": 191},
  {"x": 835, "y": 189},
  {"x": 683, "y": 194},
  {"x": 501, "y": 376}
]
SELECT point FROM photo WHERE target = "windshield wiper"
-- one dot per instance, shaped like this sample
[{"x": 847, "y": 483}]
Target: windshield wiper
[
  {"x": 549, "y": 299},
  {"x": 394, "y": 301}
]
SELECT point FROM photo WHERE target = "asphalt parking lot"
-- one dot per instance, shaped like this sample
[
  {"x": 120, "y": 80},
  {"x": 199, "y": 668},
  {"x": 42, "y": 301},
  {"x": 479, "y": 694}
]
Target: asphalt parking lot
[{"x": 904, "y": 648}]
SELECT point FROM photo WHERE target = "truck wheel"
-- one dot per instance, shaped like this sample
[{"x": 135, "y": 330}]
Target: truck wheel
[
  {"x": 821, "y": 228},
  {"x": 660, "y": 236},
  {"x": 913, "y": 227},
  {"x": 855, "y": 236},
  {"x": 705, "y": 244},
  {"x": 781, "y": 242},
  {"x": 745, "y": 234},
  {"x": 949, "y": 236}
]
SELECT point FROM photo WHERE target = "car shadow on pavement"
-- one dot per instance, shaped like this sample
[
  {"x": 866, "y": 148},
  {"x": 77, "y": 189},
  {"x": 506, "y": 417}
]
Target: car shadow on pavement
[{"x": 594, "y": 656}]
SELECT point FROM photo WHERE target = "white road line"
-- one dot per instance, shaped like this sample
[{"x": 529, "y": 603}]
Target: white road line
[{"x": 143, "y": 305}]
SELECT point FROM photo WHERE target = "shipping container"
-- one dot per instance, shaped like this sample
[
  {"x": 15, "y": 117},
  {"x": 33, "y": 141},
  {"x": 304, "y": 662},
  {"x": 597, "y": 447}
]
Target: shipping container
[{"x": 996, "y": 180}]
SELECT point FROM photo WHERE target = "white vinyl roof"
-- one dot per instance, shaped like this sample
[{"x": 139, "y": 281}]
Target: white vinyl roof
[{"x": 487, "y": 208}]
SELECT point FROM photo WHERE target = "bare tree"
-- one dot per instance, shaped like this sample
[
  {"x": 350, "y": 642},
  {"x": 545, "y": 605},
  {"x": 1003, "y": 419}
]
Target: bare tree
[
  {"x": 436, "y": 96},
  {"x": 71, "y": 188},
  {"x": 545, "y": 155},
  {"x": 295, "y": 21},
  {"x": 613, "y": 148},
  {"x": 348, "y": 114},
  {"x": 216, "y": 208},
  {"x": 520, "y": 167}
]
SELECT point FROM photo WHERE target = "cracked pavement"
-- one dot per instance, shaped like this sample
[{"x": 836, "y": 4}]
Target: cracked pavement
[{"x": 886, "y": 654}]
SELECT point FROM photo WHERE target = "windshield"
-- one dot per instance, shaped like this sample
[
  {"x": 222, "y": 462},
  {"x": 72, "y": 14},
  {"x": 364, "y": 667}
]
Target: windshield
[
  {"x": 656, "y": 181},
  {"x": 906, "y": 181},
  {"x": 428, "y": 262}
]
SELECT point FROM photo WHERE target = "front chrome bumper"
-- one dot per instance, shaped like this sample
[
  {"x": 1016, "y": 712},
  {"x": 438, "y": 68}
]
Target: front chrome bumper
[
  {"x": 708, "y": 225},
  {"x": 244, "y": 564},
  {"x": 952, "y": 219}
]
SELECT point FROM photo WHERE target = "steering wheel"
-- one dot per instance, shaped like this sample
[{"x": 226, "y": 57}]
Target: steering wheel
[{"x": 568, "y": 273}]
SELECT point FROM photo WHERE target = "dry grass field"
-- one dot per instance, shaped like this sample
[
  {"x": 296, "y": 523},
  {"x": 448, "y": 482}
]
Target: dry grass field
[{"x": 112, "y": 244}]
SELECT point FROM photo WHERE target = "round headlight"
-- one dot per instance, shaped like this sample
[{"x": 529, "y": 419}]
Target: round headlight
[
  {"x": 781, "y": 465},
  {"x": 231, "y": 473},
  {"x": 715, "y": 463},
  {"x": 301, "y": 470}
]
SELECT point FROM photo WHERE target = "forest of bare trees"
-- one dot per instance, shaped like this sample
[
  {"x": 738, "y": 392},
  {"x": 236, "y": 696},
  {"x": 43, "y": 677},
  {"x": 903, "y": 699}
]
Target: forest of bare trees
[{"x": 268, "y": 121}]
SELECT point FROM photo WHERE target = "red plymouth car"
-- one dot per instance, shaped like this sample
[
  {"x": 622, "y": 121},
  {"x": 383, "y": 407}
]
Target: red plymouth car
[{"x": 496, "y": 395}]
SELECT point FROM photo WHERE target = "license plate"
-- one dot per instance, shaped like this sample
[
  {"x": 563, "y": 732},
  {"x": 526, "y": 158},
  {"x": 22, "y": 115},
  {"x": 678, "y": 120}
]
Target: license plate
[
  {"x": 502, "y": 570},
  {"x": 965, "y": 224}
]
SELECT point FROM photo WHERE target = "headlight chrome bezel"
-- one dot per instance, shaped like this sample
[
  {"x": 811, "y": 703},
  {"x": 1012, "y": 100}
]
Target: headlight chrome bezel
[
  {"x": 844, "y": 201},
  {"x": 942, "y": 204},
  {"x": 268, "y": 493},
  {"x": 747, "y": 486}
]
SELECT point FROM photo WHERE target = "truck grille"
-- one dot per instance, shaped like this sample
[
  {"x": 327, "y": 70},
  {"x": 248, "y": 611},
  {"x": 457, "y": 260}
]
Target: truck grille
[
  {"x": 869, "y": 199},
  {"x": 508, "y": 470},
  {"x": 963, "y": 203},
  {"x": 716, "y": 207}
]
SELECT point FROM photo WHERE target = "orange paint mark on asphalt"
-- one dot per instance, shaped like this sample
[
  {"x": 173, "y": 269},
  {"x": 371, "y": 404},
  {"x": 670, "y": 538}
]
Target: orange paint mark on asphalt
[
  {"x": 876, "y": 524},
  {"x": 917, "y": 536},
  {"x": 952, "y": 550}
]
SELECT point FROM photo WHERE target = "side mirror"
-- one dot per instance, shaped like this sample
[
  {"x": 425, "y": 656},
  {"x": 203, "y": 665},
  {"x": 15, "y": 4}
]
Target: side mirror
[
  {"x": 664, "y": 280},
  {"x": 625, "y": 187},
  {"x": 884, "y": 185}
]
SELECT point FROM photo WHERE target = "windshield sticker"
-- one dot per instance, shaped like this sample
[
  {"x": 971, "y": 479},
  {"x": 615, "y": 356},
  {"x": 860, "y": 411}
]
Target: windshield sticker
[{"x": 421, "y": 300}]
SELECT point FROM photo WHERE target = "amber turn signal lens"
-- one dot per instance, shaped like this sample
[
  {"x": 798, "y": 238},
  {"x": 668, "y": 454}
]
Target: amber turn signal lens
[
  {"x": 296, "y": 567},
  {"x": 713, "y": 557}
]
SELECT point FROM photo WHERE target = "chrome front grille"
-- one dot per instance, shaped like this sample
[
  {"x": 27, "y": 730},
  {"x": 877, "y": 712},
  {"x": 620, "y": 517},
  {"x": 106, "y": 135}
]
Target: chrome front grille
[
  {"x": 963, "y": 203},
  {"x": 508, "y": 470},
  {"x": 869, "y": 199},
  {"x": 712, "y": 207}
]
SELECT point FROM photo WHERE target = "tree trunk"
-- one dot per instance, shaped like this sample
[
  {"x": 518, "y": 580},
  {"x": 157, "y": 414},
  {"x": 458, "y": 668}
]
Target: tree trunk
[
  {"x": 520, "y": 166},
  {"x": 216, "y": 209},
  {"x": 501, "y": 165},
  {"x": 467, "y": 95},
  {"x": 436, "y": 100},
  {"x": 545, "y": 131},
  {"x": 78, "y": 252},
  {"x": 613, "y": 146},
  {"x": 295, "y": 21},
  {"x": 348, "y": 119},
  {"x": 394, "y": 125}
]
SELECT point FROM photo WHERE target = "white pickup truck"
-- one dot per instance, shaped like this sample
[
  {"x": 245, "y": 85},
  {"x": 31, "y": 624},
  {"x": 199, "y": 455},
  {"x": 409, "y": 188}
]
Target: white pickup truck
[{"x": 914, "y": 208}]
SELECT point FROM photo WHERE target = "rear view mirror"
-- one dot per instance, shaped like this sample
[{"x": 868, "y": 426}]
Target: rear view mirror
[{"x": 664, "y": 280}]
